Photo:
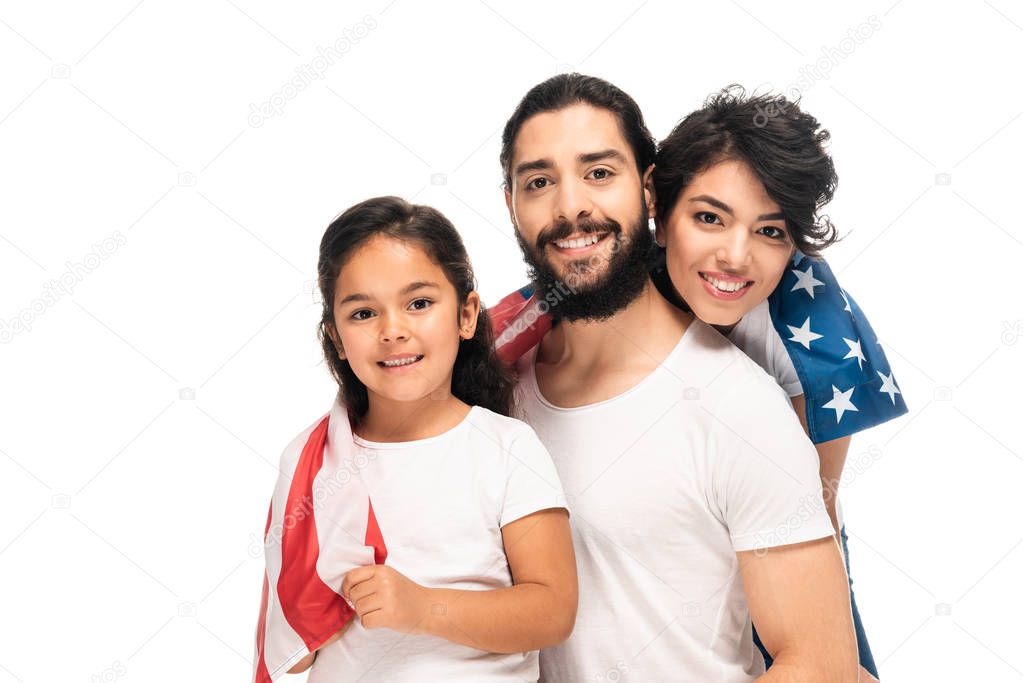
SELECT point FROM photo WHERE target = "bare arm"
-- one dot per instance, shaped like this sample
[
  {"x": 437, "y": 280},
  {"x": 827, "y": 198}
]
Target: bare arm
[
  {"x": 832, "y": 456},
  {"x": 537, "y": 612},
  {"x": 798, "y": 597}
]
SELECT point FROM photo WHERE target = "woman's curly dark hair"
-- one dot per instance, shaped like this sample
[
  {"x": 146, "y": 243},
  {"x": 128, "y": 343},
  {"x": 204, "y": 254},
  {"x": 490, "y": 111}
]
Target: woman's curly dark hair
[
  {"x": 781, "y": 143},
  {"x": 479, "y": 377}
]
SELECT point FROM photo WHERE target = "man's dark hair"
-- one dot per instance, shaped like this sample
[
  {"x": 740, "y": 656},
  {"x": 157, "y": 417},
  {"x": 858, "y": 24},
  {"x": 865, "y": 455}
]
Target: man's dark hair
[
  {"x": 565, "y": 90},
  {"x": 781, "y": 143}
]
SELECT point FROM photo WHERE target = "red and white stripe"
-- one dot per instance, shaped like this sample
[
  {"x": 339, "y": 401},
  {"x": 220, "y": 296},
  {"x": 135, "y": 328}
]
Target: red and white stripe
[{"x": 320, "y": 526}]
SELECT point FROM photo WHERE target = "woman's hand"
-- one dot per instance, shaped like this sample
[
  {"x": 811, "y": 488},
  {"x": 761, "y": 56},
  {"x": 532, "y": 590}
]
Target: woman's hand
[{"x": 385, "y": 598}]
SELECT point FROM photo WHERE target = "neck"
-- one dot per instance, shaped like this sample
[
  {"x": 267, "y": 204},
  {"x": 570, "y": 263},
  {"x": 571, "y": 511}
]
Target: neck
[
  {"x": 389, "y": 420},
  {"x": 648, "y": 325}
]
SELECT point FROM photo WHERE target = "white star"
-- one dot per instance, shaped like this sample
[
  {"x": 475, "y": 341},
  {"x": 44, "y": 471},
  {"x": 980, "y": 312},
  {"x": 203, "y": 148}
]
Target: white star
[
  {"x": 888, "y": 385},
  {"x": 846, "y": 300},
  {"x": 854, "y": 351},
  {"x": 806, "y": 280},
  {"x": 803, "y": 334},
  {"x": 841, "y": 402}
]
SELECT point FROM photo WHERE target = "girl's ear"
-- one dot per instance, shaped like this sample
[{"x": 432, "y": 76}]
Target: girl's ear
[
  {"x": 468, "y": 316},
  {"x": 336, "y": 340}
]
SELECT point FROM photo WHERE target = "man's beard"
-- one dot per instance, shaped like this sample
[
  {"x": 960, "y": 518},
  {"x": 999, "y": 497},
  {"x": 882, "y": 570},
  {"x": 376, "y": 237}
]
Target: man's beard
[{"x": 596, "y": 287}]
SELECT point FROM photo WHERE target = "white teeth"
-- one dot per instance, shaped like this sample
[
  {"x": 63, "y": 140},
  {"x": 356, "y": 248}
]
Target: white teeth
[
  {"x": 403, "y": 361},
  {"x": 723, "y": 285},
  {"x": 577, "y": 243}
]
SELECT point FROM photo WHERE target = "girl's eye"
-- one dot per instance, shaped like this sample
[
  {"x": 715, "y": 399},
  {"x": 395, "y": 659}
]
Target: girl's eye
[
  {"x": 707, "y": 217},
  {"x": 773, "y": 232},
  {"x": 358, "y": 315},
  {"x": 536, "y": 184},
  {"x": 425, "y": 303},
  {"x": 601, "y": 173}
]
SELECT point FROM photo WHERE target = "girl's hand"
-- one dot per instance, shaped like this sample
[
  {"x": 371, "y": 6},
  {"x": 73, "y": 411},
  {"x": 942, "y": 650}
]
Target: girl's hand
[{"x": 385, "y": 598}]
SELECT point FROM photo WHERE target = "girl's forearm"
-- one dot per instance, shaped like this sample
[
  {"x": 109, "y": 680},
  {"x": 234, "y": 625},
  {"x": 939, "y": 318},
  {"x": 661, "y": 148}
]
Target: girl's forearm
[{"x": 524, "y": 617}]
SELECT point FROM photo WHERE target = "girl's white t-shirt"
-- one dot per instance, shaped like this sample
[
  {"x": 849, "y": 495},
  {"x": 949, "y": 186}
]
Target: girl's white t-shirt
[{"x": 440, "y": 503}]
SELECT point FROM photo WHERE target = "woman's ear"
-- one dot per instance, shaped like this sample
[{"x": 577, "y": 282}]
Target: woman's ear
[{"x": 469, "y": 315}]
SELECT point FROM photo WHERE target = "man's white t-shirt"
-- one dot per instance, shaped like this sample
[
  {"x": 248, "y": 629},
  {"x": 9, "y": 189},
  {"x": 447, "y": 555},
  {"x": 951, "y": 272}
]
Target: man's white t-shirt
[
  {"x": 756, "y": 335},
  {"x": 667, "y": 481},
  {"x": 440, "y": 503}
]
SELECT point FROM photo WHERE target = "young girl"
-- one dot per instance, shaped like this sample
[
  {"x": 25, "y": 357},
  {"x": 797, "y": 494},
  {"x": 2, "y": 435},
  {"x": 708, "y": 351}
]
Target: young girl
[
  {"x": 739, "y": 184},
  {"x": 474, "y": 569}
]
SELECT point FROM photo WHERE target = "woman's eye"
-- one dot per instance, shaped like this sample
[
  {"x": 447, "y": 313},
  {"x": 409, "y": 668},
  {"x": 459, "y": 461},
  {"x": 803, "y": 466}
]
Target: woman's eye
[
  {"x": 420, "y": 304},
  {"x": 707, "y": 217},
  {"x": 358, "y": 315},
  {"x": 536, "y": 184},
  {"x": 773, "y": 232}
]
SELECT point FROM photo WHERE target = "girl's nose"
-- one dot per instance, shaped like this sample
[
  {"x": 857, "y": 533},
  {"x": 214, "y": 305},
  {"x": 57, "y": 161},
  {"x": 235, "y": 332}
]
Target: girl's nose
[{"x": 393, "y": 329}]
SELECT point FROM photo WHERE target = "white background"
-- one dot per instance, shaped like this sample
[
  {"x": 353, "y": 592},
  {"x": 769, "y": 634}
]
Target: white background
[{"x": 131, "y": 514}]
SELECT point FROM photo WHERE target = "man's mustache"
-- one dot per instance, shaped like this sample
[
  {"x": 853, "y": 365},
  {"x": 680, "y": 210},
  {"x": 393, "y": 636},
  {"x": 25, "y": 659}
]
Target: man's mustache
[{"x": 563, "y": 229}]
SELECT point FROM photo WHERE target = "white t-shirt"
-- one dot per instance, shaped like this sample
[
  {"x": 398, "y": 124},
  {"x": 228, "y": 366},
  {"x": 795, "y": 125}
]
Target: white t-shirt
[
  {"x": 667, "y": 481},
  {"x": 440, "y": 504},
  {"x": 756, "y": 336}
]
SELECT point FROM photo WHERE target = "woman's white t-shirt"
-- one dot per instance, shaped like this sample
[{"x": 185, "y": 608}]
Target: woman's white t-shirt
[
  {"x": 756, "y": 336},
  {"x": 440, "y": 503}
]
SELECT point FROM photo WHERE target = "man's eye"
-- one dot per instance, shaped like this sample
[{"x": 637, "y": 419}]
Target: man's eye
[
  {"x": 707, "y": 217},
  {"x": 601, "y": 174},
  {"x": 420, "y": 304},
  {"x": 536, "y": 184}
]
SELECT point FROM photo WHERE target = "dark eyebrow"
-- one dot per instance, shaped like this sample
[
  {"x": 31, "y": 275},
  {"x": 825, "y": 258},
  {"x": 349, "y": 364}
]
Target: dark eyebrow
[
  {"x": 527, "y": 166},
  {"x": 727, "y": 209},
  {"x": 419, "y": 284},
  {"x": 587, "y": 158},
  {"x": 602, "y": 155}
]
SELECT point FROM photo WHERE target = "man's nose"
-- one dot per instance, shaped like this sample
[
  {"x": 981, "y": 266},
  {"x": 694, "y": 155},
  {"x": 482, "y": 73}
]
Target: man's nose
[{"x": 574, "y": 201}]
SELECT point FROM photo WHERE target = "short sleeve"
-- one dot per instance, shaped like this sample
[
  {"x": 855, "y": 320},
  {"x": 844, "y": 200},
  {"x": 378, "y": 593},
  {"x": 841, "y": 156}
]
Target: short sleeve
[
  {"x": 756, "y": 335},
  {"x": 765, "y": 471},
  {"x": 782, "y": 369},
  {"x": 532, "y": 482}
]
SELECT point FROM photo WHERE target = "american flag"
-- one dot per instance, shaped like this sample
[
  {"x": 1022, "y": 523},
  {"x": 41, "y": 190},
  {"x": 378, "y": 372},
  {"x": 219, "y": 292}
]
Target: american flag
[
  {"x": 320, "y": 526},
  {"x": 847, "y": 381}
]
